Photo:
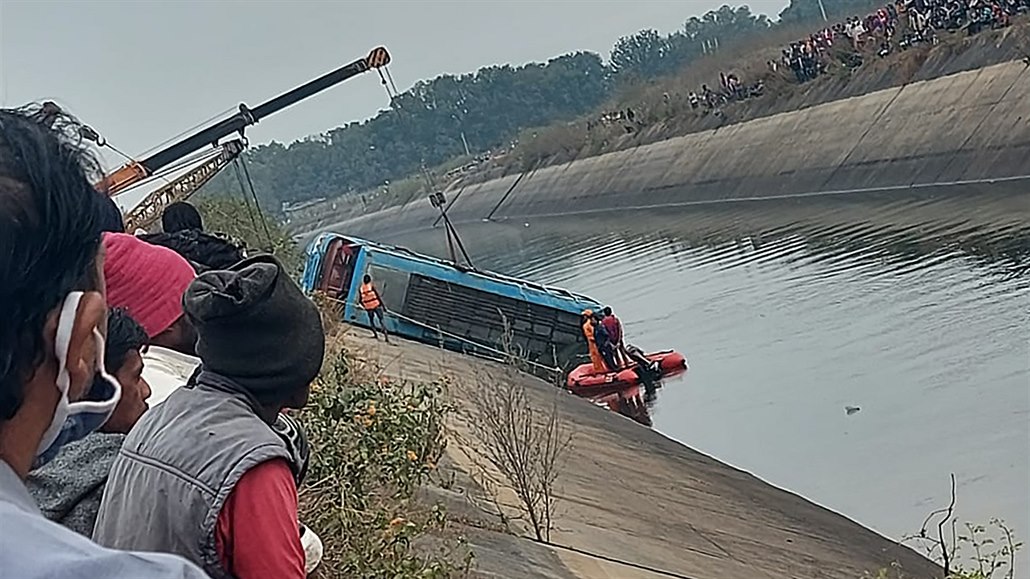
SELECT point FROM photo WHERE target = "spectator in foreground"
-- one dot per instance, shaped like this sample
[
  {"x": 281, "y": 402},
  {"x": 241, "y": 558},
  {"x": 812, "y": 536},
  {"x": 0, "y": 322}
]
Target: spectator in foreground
[
  {"x": 50, "y": 343},
  {"x": 112, "y": 219},
  {"x": 203, "y": 474},
  {"x": 68, "y": 488},
  {"x": 149, "y": 282}
]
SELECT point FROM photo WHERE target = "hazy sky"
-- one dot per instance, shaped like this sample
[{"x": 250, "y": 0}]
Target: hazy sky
[{"x": 141, "y": 72}]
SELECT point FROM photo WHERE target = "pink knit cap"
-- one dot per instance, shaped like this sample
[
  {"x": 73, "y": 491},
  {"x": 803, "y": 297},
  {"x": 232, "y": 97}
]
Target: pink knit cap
[{"x": 147, "y": 280}]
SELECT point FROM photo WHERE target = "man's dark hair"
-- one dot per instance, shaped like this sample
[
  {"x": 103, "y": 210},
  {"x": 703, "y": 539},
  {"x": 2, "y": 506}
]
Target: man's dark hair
[
  {"x": 607, "y": 310},
  {"x": 49, "y": 235},
  {"x": 180, "y": 216},
  {"x": 124, "y": 335},
  {"x": 111, "y": 217},
  {"x": 367, "y": 278}
]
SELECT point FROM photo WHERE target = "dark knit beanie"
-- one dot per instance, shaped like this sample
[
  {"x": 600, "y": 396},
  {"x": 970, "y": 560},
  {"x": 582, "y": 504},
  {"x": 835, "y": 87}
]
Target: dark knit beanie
[{"x": 256, "y": 328}]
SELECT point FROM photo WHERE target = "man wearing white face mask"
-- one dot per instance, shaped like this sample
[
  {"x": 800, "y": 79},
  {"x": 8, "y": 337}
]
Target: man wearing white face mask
[{"x": 51, "y": 343}]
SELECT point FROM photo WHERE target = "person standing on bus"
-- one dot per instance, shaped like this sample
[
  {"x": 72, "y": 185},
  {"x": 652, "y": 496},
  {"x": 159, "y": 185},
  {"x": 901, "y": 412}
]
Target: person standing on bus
[{"x": 373, "y": 305}]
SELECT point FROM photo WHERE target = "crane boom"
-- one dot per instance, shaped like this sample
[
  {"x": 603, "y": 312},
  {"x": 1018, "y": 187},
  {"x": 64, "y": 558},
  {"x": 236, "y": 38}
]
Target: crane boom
[
  {"x": 135, "y": 172},
  {"x": 148, "y": 211}
]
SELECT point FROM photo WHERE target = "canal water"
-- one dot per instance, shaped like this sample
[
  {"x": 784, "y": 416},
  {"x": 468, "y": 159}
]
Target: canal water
[{"x": 913, "y": 310}]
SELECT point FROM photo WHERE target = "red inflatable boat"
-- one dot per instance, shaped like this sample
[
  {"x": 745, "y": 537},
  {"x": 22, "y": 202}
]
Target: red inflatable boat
[{"x": 583, "y": 381}]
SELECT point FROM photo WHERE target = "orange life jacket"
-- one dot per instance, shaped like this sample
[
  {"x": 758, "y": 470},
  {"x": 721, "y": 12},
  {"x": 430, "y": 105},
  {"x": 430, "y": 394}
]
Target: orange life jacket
[{"x": 369, "y": 298}]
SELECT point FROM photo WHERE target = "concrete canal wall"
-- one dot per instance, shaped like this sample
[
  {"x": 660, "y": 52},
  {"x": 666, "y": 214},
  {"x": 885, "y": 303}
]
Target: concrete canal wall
[{"x": 970, "y": 130}]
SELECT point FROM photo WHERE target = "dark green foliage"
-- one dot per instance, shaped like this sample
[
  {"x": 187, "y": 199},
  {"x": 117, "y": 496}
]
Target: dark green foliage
[
  {"x": 647, "y": 54},
  {"x": 491, "y": 106},
  {"x": 644, "y": 54},
  {"x": 234, "y": 217}
]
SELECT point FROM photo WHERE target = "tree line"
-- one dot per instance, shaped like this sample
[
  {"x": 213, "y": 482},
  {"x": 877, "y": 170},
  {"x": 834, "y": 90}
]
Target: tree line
[{"x": 431, "y": 122}]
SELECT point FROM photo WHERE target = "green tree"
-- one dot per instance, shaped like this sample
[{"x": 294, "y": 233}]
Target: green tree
[
  {"x": 426, "y": 124},
  {"x": 642, "y": 55}
]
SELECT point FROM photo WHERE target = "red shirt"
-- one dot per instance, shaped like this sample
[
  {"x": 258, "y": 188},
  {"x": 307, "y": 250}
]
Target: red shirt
[
  {"x": 257, "y": 535},
  {"x": 614, "y": 327}
]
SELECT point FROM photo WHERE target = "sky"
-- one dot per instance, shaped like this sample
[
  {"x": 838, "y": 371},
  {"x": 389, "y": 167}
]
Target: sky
[{"x": 142, "y": 72}]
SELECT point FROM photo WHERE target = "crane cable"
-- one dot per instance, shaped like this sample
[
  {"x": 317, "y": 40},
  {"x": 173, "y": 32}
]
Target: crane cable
[
  {"x": 244, "y": 180},
  {"x": 391, "y": 91},
  {"x": 257, "y": 204},
  {"x": 243, "y": 192},
  {"x": 189, "y": 130},
  {"x": 452, "y": 233}
]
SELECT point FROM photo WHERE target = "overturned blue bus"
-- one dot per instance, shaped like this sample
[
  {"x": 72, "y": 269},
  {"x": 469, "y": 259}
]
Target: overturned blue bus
[{"x": 438, "y": 302}]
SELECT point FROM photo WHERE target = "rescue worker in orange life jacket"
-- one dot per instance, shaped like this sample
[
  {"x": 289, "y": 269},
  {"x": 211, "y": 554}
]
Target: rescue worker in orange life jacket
[
  {"x": 588, "y": 332},
  {"x": 373, "y": 306}
]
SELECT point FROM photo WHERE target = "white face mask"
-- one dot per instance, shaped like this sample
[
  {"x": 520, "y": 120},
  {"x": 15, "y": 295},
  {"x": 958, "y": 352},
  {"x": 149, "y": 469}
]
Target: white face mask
[{"x": 75, "y": 420}]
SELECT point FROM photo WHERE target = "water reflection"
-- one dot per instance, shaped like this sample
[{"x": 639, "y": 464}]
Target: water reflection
[{"x": 912, "y": 308}]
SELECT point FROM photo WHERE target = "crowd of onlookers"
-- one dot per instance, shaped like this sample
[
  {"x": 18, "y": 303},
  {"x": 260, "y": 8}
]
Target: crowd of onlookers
[
  {"x": 145, "y": 382},
  {"x": 707, "y": 99},
  {"x": 730, "y": 89},
  {"x": 894, "y": 26}
]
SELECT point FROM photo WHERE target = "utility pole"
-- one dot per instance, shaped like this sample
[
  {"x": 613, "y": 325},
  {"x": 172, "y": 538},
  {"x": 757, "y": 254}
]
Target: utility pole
[
  {"x": 822, "y": 9},
  {"x": 466, "y": 143}
]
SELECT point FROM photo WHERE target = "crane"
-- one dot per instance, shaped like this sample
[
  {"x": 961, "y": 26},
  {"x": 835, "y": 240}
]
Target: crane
[{"x": 136, "y": 171}]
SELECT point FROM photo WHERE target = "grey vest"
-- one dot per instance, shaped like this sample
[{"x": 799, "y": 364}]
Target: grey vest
[{"x": 177, "y": 468}]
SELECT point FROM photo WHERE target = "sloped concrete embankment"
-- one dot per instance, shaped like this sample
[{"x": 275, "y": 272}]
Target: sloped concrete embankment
[
  {"x": 630, "y": 494},
  {"x": 970, "y": 130}
]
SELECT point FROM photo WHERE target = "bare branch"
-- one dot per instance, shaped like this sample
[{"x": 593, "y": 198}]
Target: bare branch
[{"x": 945, "y": 555}]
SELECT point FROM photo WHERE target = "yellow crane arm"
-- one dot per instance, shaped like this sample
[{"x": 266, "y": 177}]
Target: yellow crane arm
[{"x": 149, "y": 210}]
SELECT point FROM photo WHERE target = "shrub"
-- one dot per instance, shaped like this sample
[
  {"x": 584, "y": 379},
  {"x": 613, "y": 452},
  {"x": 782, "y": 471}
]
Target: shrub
[{"x": 374, "y": 442}]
